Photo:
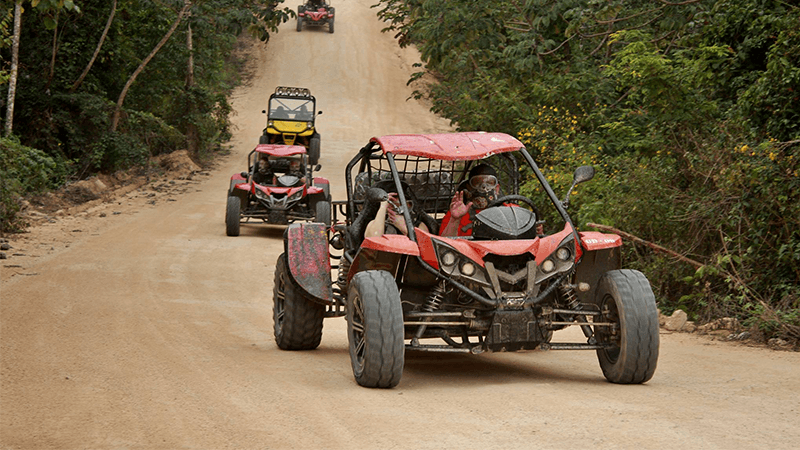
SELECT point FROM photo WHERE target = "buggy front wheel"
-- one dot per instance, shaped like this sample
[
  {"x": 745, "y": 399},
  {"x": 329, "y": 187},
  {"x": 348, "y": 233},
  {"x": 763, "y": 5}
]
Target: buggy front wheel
[
  {"x": 375, "y": 329},
  {"x": 323, "y": 212},
  {"x": 232, "y": 212},
  {"x": 297, "y": 320},
  {"x": 631, "y": 342}
]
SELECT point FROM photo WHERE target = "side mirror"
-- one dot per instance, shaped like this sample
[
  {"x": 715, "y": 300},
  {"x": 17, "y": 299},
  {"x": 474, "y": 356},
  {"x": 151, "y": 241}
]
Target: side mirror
[
  {"x": 263, "y": 111},
  {"x": 319, "y": 113},
  {"x": 317, "y": 167},
  {"x": 244, "y": 174},
  {"x": 582, "y": 173}
]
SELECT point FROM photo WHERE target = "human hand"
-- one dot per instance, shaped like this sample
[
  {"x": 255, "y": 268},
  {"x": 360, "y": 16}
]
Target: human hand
[{"x": 457, "y": 207}]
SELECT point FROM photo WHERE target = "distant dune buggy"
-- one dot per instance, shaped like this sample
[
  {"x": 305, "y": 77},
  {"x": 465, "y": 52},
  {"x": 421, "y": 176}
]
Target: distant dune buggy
[
  {"x": 291, "y": 120},
  {"x": 506, "y": 287},
  {"x": 279, "y": 188},
  {"x": 315, "y": 13}
]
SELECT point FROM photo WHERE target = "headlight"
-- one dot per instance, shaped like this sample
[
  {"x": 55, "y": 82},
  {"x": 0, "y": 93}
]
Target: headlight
[
  {"x": 448, "y": 259},
  {"x": 310, "y": 125},
  {"x": 296, "y": 195},
  {"x": 467, "y": 268},
  {"x": 261, "y": 195},
  {"x": 563, "y": 253},
  {"x": 548, "y": 265}
]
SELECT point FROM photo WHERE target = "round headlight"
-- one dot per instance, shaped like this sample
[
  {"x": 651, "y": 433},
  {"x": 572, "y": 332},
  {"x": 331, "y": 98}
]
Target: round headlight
[
  {"x": 563, "y": 253},
  {"x": 270, "y": 124},
  {"x": 448, "y": 259},
  {"x": 548, "y": 265},
  {"x": 467, "y": 269}
]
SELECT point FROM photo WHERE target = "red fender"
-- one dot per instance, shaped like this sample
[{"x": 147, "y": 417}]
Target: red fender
[{"x": 306, "y": 248}]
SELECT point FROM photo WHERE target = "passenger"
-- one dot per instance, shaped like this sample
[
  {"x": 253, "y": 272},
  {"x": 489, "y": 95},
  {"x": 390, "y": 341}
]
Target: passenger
[{"x": 389, "y": 219}]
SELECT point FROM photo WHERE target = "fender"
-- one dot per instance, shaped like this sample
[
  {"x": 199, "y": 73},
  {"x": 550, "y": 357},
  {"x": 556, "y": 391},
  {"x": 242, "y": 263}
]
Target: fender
[{"x": 306, "y": 249}]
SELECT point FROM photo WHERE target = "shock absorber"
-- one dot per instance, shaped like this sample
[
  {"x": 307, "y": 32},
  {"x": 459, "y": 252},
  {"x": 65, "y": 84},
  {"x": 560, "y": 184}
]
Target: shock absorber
[
  {"x": 432, "y": 303},
  {"x": 340, "y": 292},
  {"x": 567, "y": 291}
]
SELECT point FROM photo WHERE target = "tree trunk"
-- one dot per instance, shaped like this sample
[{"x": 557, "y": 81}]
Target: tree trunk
[
  {"x": 118, "y": 109},
  {"x": 53, "y": 56},
  {"x": 97, "y": 50},
  {"x": 192, "y": 138},
  {"x": 12, "y": 81}
]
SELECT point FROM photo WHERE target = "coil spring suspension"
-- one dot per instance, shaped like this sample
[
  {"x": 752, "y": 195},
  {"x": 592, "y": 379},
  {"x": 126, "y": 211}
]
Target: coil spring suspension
[
  {"x": 435, "y": 299},
  {"x": 432, "y": 303},
  {"x": 567, "y": 291},
  {"x": 340, "y": 292}
]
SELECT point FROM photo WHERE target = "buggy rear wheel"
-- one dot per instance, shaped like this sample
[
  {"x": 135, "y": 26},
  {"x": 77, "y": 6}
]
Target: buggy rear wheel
[
  {"x": 232, "y": 211},
  {"x": 375, "y": 329},
  {"x": 330, "y": 26},
  {"x": 626, "y": 300},
  {"x": 297, "y": 320}
]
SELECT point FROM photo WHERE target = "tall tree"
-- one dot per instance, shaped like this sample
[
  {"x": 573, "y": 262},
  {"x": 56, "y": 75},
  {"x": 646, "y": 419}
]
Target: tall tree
[
  {"x": 99, "y": 46},
  {"x": 12, "y": 81},
  {"x": 121, "y": 99}
]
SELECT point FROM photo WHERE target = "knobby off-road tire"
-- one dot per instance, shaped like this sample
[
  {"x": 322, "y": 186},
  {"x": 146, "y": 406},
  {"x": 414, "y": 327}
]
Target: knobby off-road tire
[
  {"x": 232, "y": 215},
  {"x": 375, "y": 329},
  {"x": 330, "y": 26},
  {"x": 298, "y": 320},
  {"x": 626, "y": 298},
  {"x": 314, "y": 148},
  {"x": 300, "y": 9},
  {"x": 323, "y": 212}
]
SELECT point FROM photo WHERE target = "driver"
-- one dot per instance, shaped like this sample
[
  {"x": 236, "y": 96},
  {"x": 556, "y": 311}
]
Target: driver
[
  {"x": 264, "y": 174},
  {"x": 480, "y": 189}
]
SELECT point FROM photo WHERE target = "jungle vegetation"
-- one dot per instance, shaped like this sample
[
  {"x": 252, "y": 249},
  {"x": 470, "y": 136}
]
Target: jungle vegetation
[
  {"x": 688, "y": 109},
  {"x": 103, "y": 85}
]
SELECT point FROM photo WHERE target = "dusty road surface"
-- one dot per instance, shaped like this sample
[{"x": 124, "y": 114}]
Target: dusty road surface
[{"x": 140, "y": 325}]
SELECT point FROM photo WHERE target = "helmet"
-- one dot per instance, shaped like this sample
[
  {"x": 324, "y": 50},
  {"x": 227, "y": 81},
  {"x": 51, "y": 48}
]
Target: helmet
[{"x": 482, "y": 186}]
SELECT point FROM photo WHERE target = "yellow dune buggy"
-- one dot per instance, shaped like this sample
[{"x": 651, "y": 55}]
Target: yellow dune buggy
[{"x": 290, "y": 120}]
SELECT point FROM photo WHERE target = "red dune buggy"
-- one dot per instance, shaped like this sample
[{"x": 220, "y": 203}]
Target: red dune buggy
[
  {"x": 505, "y": 286},
  {"x": 315, "y": 13},
  {"x": 279, "y": 188}
]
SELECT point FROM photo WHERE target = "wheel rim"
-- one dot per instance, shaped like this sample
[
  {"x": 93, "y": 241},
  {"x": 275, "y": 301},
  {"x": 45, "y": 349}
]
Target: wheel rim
[
  {"x": 611, "y": 335},
  {"x": 279, "y": 303},
  {"x": 357, "y": 332}
]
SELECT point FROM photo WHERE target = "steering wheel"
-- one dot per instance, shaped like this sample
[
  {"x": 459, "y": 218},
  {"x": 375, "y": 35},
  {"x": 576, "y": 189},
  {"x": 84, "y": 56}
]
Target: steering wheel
[{"x": 517, "y": 198}]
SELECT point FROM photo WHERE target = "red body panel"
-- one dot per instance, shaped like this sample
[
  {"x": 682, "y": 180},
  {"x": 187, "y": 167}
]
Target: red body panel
[
  {"x": 392, "y": 243},
  {"x": 450, "y": 146},
  {"x": 318, "y": 15},
  {"x": 308, "y": 259},
  {"x": 280, "y": 150},
  {"x": 594, "y": 240}
]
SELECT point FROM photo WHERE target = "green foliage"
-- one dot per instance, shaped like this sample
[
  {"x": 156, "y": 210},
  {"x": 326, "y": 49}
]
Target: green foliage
[
  {"x": 689, "y": 111},
  {"x": 23, "y": 170}
]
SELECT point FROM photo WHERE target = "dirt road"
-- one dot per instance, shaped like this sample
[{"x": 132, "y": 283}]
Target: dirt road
[{"x": 139, "y": 324}]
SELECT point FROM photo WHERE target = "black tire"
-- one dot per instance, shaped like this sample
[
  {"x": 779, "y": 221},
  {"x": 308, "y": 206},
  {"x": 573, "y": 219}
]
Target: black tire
[
  {"x": 626, "y": 299},
  {"x": 297, "y": 320},
  {"x": 330, "y": 26},
  {"x": 263, "y": 139},
  {"x": 375, "y": 329},
  {"x": 300, "y": 9},
  {"x": 232, "y": 218},
  {"x": 322, "y": 212},
  {"x": 314, "y": 149}
]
